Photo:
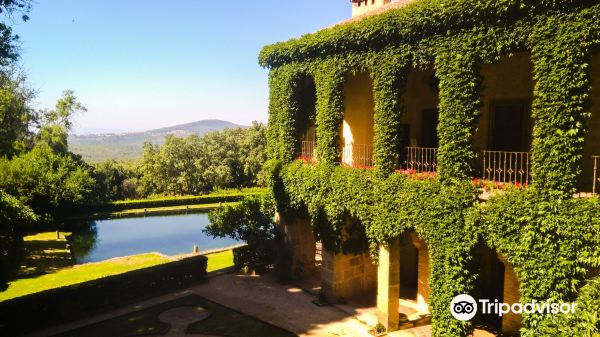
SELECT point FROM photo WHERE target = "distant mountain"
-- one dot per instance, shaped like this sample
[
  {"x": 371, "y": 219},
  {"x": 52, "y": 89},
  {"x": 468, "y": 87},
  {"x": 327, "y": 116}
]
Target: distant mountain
[{"x": 125, "y": 146}]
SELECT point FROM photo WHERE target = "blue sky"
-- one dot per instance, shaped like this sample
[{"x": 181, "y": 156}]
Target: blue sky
[{"x": 143, "y": 64}]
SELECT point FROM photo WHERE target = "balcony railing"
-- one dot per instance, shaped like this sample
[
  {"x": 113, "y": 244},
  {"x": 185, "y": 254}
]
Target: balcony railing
[
  {"x": 596, "y": 177},
  {"x": 420, "y": 159},
  {"x": 357, "y": 155},
  {"x": 506, "y": 167},
  {"x": 309, "y": 151}
]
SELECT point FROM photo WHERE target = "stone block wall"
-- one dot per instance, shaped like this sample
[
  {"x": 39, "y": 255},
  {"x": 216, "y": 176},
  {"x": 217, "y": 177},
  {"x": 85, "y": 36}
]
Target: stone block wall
[
  {"x": 299, "y": 241},
  {"x": 347, "y": 275},
  {"x": 388, "y": 286}
]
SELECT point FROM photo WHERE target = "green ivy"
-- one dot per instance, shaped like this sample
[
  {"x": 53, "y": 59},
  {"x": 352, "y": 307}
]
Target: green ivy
[{"x": 549, "y": 238}]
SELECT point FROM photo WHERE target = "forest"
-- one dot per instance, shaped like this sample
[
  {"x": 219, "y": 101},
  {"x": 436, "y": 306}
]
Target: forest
[{"x": 42, "y": 182}]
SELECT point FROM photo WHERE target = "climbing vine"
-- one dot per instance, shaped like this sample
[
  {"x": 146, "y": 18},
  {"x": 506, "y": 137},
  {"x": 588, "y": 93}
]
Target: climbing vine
[{"x": 549, "y": 238}]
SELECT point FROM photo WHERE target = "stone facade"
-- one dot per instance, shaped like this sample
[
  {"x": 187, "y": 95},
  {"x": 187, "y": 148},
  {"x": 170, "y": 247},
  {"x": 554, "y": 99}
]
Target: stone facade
[
  {"x": 299, "y": 241},
  {"x": 346, "y": 275}
]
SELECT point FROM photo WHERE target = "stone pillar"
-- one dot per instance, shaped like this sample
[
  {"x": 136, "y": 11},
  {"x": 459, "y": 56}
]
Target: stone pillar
[
  {"x": 422, "y": 273},
  {"x": 347, "y": 275},
  {"x": 299, "y": 241},
  {"x": 511, "y": 323},
  {"x": 388, "y": 285}
]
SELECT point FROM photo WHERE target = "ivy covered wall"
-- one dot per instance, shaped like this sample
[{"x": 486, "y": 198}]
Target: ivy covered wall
[{"x": 549, "y": 238}]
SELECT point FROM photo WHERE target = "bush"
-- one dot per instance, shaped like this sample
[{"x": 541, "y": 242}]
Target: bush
[
  {"x": 13, "y": 215},
  {"x": 167, "y": 202},
  {"x": 250, "y": 221}
]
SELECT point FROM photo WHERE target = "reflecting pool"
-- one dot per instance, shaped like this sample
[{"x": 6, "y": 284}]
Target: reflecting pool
[{"x": 167, "y": 234}]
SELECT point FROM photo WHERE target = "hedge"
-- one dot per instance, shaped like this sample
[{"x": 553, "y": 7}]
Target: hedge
[
  {"x": 54, "y": 306},
  {"x": 166, "y": 202}
]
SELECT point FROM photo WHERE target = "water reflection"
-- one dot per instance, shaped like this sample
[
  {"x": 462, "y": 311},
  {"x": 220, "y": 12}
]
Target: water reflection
[
  {"x": 84, "y": 238},
  {"x": 168, "y": 234}
]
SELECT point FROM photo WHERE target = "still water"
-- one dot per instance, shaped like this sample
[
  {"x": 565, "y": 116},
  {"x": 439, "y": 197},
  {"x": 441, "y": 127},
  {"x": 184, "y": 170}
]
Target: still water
[{"x": 169, "y": 234}]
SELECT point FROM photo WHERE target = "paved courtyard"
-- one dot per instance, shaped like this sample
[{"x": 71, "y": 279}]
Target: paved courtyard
[{"x": 262, "y": 297}]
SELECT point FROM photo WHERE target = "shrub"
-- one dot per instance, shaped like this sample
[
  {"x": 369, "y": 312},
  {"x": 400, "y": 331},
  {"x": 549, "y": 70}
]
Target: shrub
[{"x": 250, "y": 221}]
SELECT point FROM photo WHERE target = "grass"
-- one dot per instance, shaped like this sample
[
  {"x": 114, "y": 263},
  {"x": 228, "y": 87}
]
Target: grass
[
  {"x": 44, "y": 253},
  {"x": 81, "y": 273},
  {"x": 222, "y": 322},
  {"x": 220, "y": 260},
  {"x": 48, "y": 264}
]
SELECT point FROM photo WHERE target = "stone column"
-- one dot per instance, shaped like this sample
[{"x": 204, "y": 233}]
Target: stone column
[
  {"x": 388, "y": 285},
  {"x": 511, "y": 323},
  {"x": 299, "y": 244}
]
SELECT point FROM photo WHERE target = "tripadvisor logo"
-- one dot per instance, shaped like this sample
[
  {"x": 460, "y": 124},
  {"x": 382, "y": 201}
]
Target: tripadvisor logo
[{"x": 464, "y": 307}]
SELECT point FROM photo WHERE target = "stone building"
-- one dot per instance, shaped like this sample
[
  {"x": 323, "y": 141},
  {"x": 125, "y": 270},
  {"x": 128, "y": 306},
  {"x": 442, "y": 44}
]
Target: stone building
[{"x": 398, "y": 283}]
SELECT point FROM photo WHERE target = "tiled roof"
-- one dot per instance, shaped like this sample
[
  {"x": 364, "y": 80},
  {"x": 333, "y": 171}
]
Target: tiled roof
[{"x": 384, "y": 8}]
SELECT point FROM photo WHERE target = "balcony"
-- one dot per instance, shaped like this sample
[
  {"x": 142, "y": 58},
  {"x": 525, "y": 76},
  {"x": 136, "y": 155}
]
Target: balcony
[
  {"x": 420, "y": 159},
  {"x": 308, "y": 151},
  {"x": 506, "y": 167},
  {"x": 357, "y": 155},
  {"x": 498, "y": 166},
  {"x": 596, "y": 176}
]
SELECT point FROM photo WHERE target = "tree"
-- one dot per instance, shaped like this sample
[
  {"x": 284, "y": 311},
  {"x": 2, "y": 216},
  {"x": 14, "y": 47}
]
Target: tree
[
  {"x": 250, "y": 221},
  {"x": 13, "y": 214},
  {"x": 56, "y": 123},
  {"x": 113, "y": 181},
  {"x": 231, "y": 158},
  {"x": 16, "y": 115},
  {"x": 9, "y": 49},
  {"x": 52, "y": 184}
]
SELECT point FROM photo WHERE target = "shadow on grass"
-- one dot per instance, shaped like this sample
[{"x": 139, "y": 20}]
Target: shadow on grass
[
  {"x": 222, "y": 322},
  {"x": 42, "y": 257}
]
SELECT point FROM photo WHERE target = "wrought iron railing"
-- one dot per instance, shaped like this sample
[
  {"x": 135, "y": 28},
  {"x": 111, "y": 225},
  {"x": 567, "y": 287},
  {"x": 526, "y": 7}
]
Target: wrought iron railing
[
  {"x": 309, "y": 151},
  {"x": 506, "y": 167},
  {"x": 357, "y": 155},
  {"x": 420, "y": 159},
  {"x": 596, "y": 177}
]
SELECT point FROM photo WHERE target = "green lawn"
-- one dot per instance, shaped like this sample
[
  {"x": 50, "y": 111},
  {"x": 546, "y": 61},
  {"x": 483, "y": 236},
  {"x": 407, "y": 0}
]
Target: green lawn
[
  {"x": 220, "y": 260},
  {"x": 80, "y": 273},
  {"x": 48, "y": 264}
]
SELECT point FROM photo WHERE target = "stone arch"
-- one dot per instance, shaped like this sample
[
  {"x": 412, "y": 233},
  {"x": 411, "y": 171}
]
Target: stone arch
[
  {"x": 305, "y": 96},
  {"x": 497, "y": 280},
  {"x": 395, "y": 309}
]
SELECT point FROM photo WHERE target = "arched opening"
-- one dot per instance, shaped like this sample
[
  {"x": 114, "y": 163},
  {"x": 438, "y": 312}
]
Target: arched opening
[
  {"x": 409, "y": 261},
  {"x": 357, "y": 127},
  {"x": 490, "y": 285},
  {"x": 306, "y": 98},
  {"x": 414, "y": 270},
  {"x": 504, "y": 133},
  {"x": 418, "y": 138},
  {"x": 589, "y": 180},
  {"x": 497, "y": 282}
]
